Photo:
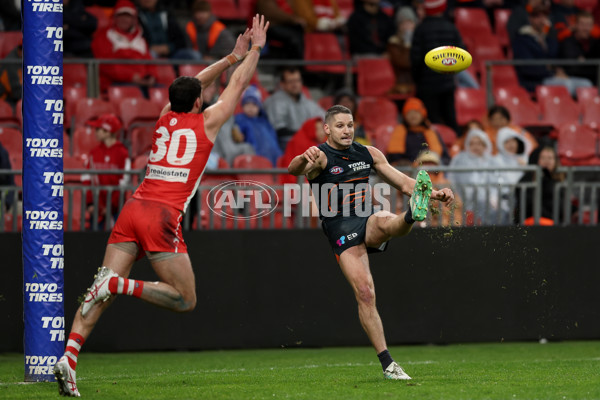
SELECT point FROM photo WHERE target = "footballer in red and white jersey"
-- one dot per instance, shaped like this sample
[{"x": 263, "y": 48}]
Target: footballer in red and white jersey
[{"x": 180, "y": 150}]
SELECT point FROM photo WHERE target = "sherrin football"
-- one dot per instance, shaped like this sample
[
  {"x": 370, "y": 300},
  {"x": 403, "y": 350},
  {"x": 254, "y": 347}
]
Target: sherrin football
[{"x": 448, "y": 59}]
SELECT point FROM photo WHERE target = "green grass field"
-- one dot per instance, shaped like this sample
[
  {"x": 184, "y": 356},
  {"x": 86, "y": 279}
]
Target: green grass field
[{"x": 567, "y": 370}]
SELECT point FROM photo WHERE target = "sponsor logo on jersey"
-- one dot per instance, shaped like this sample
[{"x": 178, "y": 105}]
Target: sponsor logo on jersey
[
  {"x": 340, "y": 242},
  {"x": 242, "y": 199},
  {"x": 357, "y": 166},
  {"x": 336, "y": 170},
  {"x": 169, "y": 174}
]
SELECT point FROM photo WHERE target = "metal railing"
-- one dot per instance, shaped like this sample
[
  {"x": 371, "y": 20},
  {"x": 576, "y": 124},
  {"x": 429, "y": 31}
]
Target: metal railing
[{"x": 575, "y": 200}]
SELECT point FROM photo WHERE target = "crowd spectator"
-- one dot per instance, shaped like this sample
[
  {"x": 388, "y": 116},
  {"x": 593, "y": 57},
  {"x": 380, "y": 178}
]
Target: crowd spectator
[
  {"x": 6, "y": 180},
  {"x": 255, "y": 126},
  {"x": 434, "y": 89},
  {"x": 369, "y": 28},
  {"x": 535, "y": 41},
  {"x": 230, "y": 141},
  {"x": 124, "y": 39},
  {"x": 519, "y": 16},
  {"x": 109, "y": 154},
  {"x": 162, "y": 32},
  {"x": 476, "y": 187},
  {"x": 288, "y": 108},
  {"x": 11, "y": 76},
  {"x": 286, "y": 29},
  {"x": 511, "y": 154},
  {"x": 414, "y": 135},
  {"x": 398, "y": 49},
  {"x": 498, "y": 118},
  {"x": 563, "y": 14},
  {"x": 209, "y": 36},
  {"x": 581, "y": 43},
  {"x": 547, "y": 159},
  {"x": 311, "y": 133},
  {"x": 346, "y": 97},
  {"x": 78, "y": 29},
  {"x": 320, "y": 15}
]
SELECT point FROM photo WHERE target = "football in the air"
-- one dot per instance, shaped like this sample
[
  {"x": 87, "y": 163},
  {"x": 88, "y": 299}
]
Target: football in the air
[{"x": 448, "y": 59}]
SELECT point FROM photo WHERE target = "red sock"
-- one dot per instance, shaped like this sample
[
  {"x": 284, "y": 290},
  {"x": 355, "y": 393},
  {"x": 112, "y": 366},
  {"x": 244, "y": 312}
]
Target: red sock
[
  {"x": 130, "y": 287},
  {"x": 73, "y": 347}
]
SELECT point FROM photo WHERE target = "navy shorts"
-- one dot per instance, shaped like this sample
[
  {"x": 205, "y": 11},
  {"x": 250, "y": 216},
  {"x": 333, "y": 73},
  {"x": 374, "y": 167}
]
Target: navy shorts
[{"x": 346, "y": 232}]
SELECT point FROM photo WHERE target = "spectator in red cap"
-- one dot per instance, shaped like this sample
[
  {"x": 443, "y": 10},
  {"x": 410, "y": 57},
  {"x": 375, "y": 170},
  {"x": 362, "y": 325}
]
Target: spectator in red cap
[
  {"x": 434, "y": 89},
  {"x": 110, "y": 154},
  {"x": 124, "y": 39}
]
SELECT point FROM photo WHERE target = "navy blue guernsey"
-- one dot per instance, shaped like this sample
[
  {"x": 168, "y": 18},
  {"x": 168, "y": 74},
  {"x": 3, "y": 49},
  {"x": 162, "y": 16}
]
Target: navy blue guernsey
[{"x": 342, "y": 188}]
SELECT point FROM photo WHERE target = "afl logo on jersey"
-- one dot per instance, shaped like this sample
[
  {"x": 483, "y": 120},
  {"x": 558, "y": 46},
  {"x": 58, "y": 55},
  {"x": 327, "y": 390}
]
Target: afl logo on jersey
[
  {"x": 173, "y": 122},
  {"x": 336, "y": 170}
]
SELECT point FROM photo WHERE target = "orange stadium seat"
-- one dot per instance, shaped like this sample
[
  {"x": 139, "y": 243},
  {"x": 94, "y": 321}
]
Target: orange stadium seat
[
  {"x": 75, "y": 75},
  {"x": 138, "y": 112},
  {"x": 375, "y": 111},
  {"x": 116, "y": 94},
  {"x": 472, "y": 22},
  {"x": 557, "y": 105},
  {"x": 8, "y": 41},
  {"x": 88, "y": 108},
  {"x": 323, "y": 47},
  {"x": 7, "y": 116},
  {"x": 470, "y": 104},
  {"x": 577, "y": 145},
  {"x": 523, "y": 110},
  {"x": 501, "y": 16}
]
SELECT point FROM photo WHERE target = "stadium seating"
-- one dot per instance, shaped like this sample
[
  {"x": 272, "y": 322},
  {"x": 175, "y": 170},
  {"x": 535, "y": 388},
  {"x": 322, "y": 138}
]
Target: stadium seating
[
  {"x": 11, "y": 140},
  {"x": 71, "y": 163},
  {"x": 586, "y": 94},
  {"x": 588, "y": 5},
  {"x": 326, "y": 102},
  {"x": 159, "y": 96},
  {"x": 254, "y": 162},
  {"x": 557, "y": 105},
  {"x": 323, "y": 47},
  {"x": 485, "y": 47},
  {"x": 139, "y": 163},
  {"x": 226, "y": 9},
  {"x": 8, "y": 41},
  {"x": 375, "y": 111},
  {"x": 19, "y": 112},
  {"x": 577, "y": 145},
  {"x": 165, "y": 75},
  {"x": 116, "y": 94},
  {"x": 71, "y": 94},
  {"x": 501, "y": 16},
  {"x": 375, "y": 77},
  {"x": 88, "y": 108},
  {"x": 75, "y": 75},
  {"x": 523, "y": 110},
  {"x": 381, "y": 137},
  {"x": 472, "y": 22},
  {"x": 84, "y": 140},
  {"x": 502, "y": 76},
  {"x": 102, "y": 15},
  {"x": 7, "y": 116},
  {"x": 470, "y": 104},
  {"x": 138, "y": 112},
  {"x": 73, "y": 209},
  {"x": 446, "y": 133},
  {"x": 141, "y": 140},
  {"x": 190, "y": 69},
  {"x": 591, "y": 113}
]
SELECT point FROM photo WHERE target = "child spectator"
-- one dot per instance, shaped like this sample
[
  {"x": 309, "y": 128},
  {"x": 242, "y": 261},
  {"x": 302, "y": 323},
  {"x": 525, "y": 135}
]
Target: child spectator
[
  {"x": 255, "y": 126},
  {"x": 414, "y": 135}
]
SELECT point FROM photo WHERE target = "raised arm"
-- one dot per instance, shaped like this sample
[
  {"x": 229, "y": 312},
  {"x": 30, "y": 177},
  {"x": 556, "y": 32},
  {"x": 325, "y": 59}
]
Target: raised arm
[
  {"x": 216, "y": 115},
  {"x": 401, "y": 181},
  {"x": 309, "y": 163},
  {"x": 209, "y": 74}
]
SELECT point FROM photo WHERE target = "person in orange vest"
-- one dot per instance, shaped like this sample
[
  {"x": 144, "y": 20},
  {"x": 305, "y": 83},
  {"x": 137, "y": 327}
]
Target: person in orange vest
[{"x": 209, "y": 36}]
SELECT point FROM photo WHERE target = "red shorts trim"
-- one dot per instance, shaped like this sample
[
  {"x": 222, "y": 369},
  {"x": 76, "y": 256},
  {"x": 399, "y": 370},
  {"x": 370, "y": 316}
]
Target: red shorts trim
[{"x": 154, "y": 226}]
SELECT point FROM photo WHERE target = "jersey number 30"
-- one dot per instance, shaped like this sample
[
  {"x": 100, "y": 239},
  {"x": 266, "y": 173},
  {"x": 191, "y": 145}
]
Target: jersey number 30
[{"x": 172, "y": 150}]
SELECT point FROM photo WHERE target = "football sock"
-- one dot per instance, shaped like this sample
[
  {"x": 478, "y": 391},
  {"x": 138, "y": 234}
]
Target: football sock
[
  {"x": 74, "y": 344},
  {"x": 408, "y": 217},
  {"x": 385, "y": 359},
  {"x": 130, "y": 287}
]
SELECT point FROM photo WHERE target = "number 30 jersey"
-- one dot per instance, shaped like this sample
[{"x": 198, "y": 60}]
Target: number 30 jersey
[{"x": 180, "y": 150}]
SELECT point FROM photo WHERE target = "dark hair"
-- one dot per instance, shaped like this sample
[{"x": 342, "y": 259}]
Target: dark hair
[
  {"x": 334, "y": 110},
  {"x": 499, "y": 109},
  {"x": 183, "y": 92},
  {"x": 290, "y": 69}
]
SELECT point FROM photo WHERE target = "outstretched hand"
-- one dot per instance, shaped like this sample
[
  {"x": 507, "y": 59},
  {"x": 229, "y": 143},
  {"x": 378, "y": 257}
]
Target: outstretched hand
[
  {"x": 259, "y": 30},
  {"x": 241, "y": 44},
  {"x": 444, "y": 195}
]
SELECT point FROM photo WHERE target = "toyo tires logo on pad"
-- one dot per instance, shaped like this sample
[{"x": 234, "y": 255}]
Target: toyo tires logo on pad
[{"x": 242, "y": 199}]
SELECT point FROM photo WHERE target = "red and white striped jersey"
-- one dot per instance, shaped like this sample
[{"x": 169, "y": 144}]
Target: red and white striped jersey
[{"x": 180, "y": 150}]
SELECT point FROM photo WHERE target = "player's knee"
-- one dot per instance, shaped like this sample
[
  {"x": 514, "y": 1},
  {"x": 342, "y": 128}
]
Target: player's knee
[{"x": 365, "y": 294}]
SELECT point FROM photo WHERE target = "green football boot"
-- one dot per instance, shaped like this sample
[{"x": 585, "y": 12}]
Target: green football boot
[{"x": 419, "y": 201}]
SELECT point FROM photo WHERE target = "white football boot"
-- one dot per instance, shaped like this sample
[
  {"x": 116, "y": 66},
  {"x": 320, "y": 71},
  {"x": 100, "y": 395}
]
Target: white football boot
[
  {"x": 99, "y": 290},
  {"x": 394, "y": 371},
  {"x": 65, "y": 376}
]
